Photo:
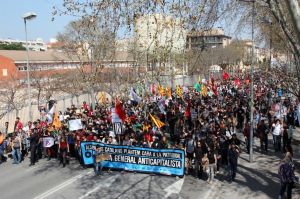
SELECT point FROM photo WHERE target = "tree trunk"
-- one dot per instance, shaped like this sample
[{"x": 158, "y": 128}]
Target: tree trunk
[
  {"x": 92, "y": 94},
  {"x": 77, "y": 101}
]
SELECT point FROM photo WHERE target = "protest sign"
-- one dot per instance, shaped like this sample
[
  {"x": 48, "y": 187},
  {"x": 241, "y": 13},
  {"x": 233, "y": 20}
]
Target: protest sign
[
  {"x": 48, "y": 142},
  {"x": 117, "y": 127},
  {"x": 75, "y": 125},
  {"x": 162, "y": 161}
]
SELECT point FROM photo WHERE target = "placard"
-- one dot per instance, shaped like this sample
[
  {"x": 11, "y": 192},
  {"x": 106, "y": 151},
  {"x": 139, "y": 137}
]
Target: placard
[
  {"x": 117, "y": 127},
  {"x": 74, "y": 125},
  {"x": 48, "y": 142},
  {"x": 162, "y": 161}
]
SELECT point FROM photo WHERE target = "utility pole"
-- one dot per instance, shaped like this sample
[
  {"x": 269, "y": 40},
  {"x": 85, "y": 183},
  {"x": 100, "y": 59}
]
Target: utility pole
[{"x": 252, "y": 79}]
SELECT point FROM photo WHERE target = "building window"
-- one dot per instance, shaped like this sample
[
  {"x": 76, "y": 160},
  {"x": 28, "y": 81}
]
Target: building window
[{"x": 4, "y": 72}]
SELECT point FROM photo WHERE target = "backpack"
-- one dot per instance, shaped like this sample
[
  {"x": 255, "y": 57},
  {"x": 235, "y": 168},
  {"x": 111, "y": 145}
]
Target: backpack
[
  {"x": 190, "y": 146},
  {"x": 285, "y": 172}
]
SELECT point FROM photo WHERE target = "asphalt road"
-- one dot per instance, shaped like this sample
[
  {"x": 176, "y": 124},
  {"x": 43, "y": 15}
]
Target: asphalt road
[{"x": 48, "y": 179}]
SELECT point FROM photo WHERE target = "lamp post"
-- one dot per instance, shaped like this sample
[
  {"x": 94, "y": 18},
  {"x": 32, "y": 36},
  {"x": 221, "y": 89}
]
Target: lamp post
[
  {"x": 251, "y": 86},
  {"x": 28, "y": 16},
  {"x": 212, "y": 59},
  {"x": 269, "y": 23}
]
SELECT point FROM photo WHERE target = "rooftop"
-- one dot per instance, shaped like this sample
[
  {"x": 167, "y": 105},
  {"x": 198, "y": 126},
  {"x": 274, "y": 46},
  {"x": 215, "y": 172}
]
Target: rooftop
[{"x": 54, "y": 56}]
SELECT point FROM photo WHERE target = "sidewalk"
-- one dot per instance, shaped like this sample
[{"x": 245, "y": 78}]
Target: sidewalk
[{"x": 258, "y": 179}]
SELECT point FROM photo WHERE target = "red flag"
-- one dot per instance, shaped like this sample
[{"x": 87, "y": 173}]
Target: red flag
[
  {"x": 119, "y": 110},
  {"x": 225, "y": 76},
  {"x": 247, "y": 80},
  {"x": 237, "y": 82},
  {"x": 212, "y": 81},
  {"x": 188, "y": 110},
  {"x": 215, "y": 90},
  {"x": 153, "y": 88}
]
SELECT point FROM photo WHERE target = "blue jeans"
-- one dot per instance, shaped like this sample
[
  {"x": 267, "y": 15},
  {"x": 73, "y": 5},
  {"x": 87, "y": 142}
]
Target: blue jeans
[
  {"x": 98, "y": 167},
  {"x": 232, "y": 170},
  {"x": 286, "y": 186},
  {"x": 16, "y": 153},
  {"x": 277, "y": 142}
]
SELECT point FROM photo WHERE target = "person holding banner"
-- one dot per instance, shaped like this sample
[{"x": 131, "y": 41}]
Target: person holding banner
[
  {"x": 64, "y": 150},
  {"x": 97, "y": 164}
]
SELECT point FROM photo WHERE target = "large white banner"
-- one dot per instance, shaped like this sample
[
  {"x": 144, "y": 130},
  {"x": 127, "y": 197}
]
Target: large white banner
[
  {"x": 75, "y": 125},
  {"x": 48, "y": 142}
]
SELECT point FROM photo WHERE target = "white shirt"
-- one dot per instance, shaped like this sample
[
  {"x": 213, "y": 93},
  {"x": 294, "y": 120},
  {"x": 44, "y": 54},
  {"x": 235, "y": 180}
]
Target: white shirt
[{"x": 277, "y": 129}]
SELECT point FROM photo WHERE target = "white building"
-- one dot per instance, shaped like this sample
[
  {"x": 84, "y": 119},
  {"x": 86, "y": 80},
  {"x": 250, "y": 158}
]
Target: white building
[
  {"x": 37, "y": 45},
  {"x": 156, "y": 31},
  {"x": 206, "y": 39}
]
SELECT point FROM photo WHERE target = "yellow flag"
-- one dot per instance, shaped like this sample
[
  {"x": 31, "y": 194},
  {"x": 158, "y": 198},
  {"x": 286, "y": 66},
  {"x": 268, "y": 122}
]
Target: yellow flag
[
  {"x": 204, "y": 91},
  {"x": 161, "y": 90},
  {"x": 157, "y": 122},
  {"x": 56, "y": 122},
  {"x": 179, "y": 91},
  {"x": 102, "y": 97},
  {"x": 169, "y": 92}
]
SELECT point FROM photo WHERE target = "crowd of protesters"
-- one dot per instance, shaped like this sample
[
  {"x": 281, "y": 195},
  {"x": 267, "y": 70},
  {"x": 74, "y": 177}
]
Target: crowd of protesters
[{"x": 204, "y": 122}]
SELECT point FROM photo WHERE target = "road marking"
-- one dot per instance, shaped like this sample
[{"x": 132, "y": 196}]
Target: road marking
[
  {"x": 62, "y": 185},
  {"x": 106, "y": 183},
  {"x": 213, "y": 189},
  {"x": 174, "y": 188}
]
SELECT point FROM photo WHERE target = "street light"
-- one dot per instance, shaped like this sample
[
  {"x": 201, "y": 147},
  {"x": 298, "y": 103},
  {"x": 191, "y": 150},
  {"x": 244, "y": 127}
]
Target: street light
[
  {"x": 252, "y": 67},
  {"x": 212, "y": 59},
  {"x": 28, "y": 16},
  {"x": 269, "y": 23}
]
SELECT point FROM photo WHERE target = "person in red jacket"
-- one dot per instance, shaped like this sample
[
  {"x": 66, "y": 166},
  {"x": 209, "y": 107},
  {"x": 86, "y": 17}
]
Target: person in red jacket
[
  {"x": 18, "y": 124},
  {"x": 64, "y": 150}
]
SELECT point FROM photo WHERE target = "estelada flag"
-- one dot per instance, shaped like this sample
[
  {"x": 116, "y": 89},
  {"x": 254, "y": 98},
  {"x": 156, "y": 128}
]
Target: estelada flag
[
  {"x": 204, "y": 91},
  {"x": 156, "y": 121},
  {"x": 102, "y": 97},
  {"x": 56, "y": 122},
  {"x": 161, "y": 90},
  {"x": 119, "y": 110},
  {"x": 169, "y": 92},
  {"x": 179, "y": 91},
  {"x": 225, "y": 76}
]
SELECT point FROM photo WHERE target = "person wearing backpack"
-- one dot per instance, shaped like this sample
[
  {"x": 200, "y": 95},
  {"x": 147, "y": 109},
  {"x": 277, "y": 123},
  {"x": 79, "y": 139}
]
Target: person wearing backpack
[
  {"x": 286, "y": 176},
  {"x": 189, "y": 148}
]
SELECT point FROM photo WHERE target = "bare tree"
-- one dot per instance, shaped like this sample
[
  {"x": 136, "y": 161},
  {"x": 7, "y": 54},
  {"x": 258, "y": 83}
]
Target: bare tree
[
  {"x": 91, "y": 43},
  {"x": 13, "y": 95}
]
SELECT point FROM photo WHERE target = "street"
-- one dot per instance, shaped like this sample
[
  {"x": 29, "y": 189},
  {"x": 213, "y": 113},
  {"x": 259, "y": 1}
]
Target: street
[{"x": 47, "y": 179}]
